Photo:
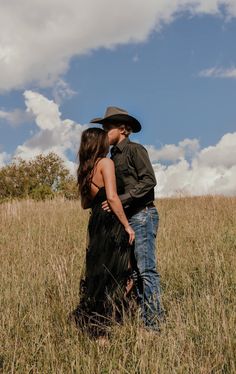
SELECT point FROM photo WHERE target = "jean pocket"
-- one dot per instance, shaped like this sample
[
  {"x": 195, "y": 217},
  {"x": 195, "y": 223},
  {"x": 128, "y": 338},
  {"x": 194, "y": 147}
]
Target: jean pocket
[
  {"x": 139, "y": 218},
  {"x": 154, "y": 213}
]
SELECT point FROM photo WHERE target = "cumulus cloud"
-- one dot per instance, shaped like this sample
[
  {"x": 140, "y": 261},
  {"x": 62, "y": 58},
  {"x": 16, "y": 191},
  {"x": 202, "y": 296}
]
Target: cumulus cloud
[
  {"x": 62, "y": 91},
  {"x": 218, "y": 73},
  {"x": 53, "y": 133},
  {"x": 211, "y": 170},
  {"x": 189, "y": 170},
  {"x": 38, "y": 38},
  {"x": 221, "y": 155},
  {"x": 172, "y": 152},
  {"x": 15, "y": 117},
  {"x": 4, "y": 158}
]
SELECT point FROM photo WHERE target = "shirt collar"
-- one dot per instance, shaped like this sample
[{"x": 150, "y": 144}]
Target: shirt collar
[{"x": 122, "y": 144}]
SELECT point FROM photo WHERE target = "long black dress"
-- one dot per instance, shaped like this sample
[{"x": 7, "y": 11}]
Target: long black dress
[{"x": 107, "y": 268}]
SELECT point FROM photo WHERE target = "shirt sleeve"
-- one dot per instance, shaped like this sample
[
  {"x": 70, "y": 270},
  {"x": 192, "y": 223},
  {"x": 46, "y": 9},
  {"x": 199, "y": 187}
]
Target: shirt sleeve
[{"x": 145, "y": 173}]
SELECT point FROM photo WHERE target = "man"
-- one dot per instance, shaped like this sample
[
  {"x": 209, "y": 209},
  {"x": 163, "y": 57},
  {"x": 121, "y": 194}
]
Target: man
[{"x": 134, "y": 169}]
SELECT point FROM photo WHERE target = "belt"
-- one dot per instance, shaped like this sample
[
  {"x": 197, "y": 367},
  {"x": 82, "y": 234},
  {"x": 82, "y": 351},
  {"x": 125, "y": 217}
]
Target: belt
[
  {"x": 135, "y": 210},
  {"x": 150, "y": 205}
]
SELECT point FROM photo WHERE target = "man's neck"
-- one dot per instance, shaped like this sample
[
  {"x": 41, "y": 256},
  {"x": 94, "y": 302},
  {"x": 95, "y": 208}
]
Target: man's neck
[{"x": 122, "y": 137}]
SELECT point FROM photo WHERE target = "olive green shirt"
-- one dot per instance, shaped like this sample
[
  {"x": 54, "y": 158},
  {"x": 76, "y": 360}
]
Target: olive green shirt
[{"x": 133, "y": 167}]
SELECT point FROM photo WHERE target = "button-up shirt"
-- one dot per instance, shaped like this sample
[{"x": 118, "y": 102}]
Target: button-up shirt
[{"x": 133, "y": 167}]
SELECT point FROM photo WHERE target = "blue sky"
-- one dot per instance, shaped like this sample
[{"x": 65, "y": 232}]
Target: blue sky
[
  {"x": 163, "y": 87},
  {"x": 178, "y": 80}
]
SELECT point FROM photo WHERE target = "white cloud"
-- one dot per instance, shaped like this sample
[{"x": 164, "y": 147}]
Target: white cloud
[
  {"x": 62, "y": 91},
  {"x": 53, "y": 134},
  {"x": 219, "y": 73},
  {"x": 172, "y": 152},
  {"x": 4, "y": 158},
  {"x": 193, "y": 171},
  {"x": 38, "y": 38},
  {"x": 211, "y": 170},
  {"x": 221, "y": 155},
  {"x": 15, "y": 117}
]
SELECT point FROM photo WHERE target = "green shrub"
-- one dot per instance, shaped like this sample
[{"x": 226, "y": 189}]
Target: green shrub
[
  {"x": 42, "y": 193},
  {"x": 43, "y": 177}
]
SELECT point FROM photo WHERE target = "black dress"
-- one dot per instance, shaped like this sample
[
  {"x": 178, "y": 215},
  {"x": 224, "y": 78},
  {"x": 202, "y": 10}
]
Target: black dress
[{"x": 107, "y": 268}]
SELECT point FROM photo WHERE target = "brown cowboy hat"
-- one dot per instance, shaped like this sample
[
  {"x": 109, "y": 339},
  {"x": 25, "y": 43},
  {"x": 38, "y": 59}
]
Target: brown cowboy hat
[{"x": 116, "y": 115}]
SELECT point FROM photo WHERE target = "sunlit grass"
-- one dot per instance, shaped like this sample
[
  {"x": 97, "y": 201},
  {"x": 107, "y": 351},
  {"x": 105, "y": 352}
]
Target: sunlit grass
[{"x": 42, "y": 246}]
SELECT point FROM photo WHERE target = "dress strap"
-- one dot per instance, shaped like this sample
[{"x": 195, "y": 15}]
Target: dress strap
[{"x": 96, "y": 185}]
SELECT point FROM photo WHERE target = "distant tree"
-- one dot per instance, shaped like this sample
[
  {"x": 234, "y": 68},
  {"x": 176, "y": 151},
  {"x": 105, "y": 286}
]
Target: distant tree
[
  {"x": 40, "y": 178},
  {"x": 69, "y": 188}
]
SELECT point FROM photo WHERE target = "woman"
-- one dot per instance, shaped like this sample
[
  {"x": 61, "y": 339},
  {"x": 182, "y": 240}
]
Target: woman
[{"x": 103, "y": 288}]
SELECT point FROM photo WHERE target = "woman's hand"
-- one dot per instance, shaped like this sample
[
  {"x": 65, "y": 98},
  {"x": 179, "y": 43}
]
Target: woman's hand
[
  {"x": 106, "y": 206},
  {"x": 131, "y": 233}
]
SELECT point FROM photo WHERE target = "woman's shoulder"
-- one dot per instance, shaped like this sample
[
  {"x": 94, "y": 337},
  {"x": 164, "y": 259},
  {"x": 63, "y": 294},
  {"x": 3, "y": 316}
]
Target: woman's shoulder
[{"x": 106, "y": 162}]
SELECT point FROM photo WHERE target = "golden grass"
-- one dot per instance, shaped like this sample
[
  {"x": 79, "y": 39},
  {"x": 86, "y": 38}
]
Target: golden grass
[{"x": 42, "y": 246}]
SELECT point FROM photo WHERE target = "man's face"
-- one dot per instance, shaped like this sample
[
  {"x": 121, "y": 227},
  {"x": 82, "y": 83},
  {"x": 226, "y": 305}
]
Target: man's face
[{"x": 113, "y": 133}]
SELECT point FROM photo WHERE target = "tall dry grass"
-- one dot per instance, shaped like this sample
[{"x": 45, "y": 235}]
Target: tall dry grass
[{"x": 42, "y": 246}]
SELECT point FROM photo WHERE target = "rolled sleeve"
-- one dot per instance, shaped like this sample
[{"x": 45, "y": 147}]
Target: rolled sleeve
[
  {"x": 145, "y": 173},
  {"x": 126, "y": 199},
  {"x": 135, "y": 171}
]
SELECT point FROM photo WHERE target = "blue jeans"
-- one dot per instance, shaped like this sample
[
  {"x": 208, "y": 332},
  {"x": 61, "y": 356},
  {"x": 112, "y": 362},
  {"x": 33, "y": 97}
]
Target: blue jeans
[{"x": 146, "y": 276}]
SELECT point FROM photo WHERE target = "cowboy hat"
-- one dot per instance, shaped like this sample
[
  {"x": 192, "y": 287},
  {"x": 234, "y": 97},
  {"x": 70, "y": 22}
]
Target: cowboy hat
[{"x": 116, "y": 115}]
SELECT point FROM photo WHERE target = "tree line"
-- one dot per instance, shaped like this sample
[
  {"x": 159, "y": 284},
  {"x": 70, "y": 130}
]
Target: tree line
[{"x": 43, "y": 177}]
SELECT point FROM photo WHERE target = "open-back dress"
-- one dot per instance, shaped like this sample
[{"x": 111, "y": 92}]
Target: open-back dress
[{"x": 107, "y": 268}]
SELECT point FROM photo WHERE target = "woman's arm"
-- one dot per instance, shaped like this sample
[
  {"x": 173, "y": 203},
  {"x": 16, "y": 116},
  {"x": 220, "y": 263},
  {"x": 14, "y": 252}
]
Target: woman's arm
[{"x": 109, "y": 178}]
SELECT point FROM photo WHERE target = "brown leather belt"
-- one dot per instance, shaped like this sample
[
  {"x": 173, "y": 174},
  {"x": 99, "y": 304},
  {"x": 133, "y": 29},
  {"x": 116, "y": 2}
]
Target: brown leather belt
[
  {"x": 150, "y": 205},
  {"x": 135, "y": 210}
]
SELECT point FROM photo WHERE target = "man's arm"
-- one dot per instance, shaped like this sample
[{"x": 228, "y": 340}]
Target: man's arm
[{"x": 145, "y": 173}]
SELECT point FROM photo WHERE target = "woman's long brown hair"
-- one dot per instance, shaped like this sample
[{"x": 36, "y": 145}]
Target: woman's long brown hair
[{"x": 94, "y": 145}]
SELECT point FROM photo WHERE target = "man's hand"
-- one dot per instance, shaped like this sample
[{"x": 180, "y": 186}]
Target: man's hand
[{"x": 106, "y": 206}]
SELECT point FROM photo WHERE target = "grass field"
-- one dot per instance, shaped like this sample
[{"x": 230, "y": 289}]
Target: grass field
[{"x": 42, "y": 246}]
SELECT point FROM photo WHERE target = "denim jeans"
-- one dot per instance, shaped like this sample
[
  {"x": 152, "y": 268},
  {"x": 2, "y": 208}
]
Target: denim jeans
[{"x": 146, "y": 276}]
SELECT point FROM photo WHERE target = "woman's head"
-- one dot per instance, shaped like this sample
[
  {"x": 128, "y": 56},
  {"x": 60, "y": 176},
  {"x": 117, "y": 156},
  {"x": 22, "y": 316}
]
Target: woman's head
[{"x": 94, "y": 145}]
